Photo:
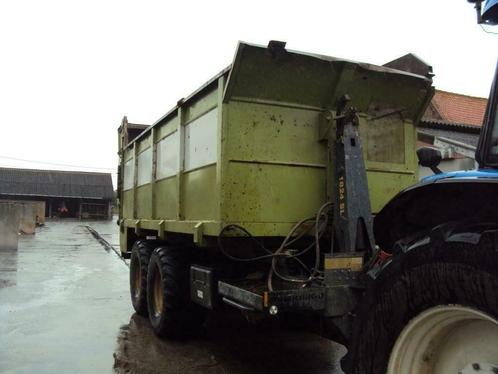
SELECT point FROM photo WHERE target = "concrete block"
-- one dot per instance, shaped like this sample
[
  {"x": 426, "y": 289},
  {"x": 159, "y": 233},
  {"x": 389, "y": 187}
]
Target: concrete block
[
  {"x": 39, "y": 207},
  {"x": 10, "y": 218},
  {"x": 32, "y": 213},
  {"x": 27, "y": 224}
]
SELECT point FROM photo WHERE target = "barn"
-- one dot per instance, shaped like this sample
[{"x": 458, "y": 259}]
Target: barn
[{"x": 66, "y": 194}]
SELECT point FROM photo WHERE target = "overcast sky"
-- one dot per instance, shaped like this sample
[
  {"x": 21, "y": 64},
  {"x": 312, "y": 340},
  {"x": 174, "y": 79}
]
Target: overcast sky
[{"x": 70, "y": 70}]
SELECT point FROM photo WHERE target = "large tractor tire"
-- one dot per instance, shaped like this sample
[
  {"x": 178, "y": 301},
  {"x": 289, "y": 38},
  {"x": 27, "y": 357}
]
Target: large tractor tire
[
  {"x": 436, "y": 313},
  {"x": 172, "y": 314},
  {"x": 139, "y": 263}
]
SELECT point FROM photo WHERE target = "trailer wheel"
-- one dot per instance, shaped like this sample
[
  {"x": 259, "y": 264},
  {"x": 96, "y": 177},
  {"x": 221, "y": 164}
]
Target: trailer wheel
[
  {"x": 437, "y": 317},
  {"x": 139, "y": 263},
  {"x": 171, "y": 312}
]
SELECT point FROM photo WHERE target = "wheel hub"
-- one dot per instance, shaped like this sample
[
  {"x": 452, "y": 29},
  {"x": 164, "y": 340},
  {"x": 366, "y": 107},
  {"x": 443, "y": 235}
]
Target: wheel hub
[
  {"x": 158, "y": 294},
  {"x": 480, "y": 368},
  {"x": 447, "y": 339}
]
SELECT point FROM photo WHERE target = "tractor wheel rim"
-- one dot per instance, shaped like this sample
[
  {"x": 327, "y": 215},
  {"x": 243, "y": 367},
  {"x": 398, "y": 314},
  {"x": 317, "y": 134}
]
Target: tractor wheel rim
[
  {"x": 447, "y": 339},
  {"x": 158, "y": 294}
]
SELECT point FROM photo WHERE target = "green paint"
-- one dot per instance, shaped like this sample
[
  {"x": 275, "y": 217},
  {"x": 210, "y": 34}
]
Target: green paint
[
  {"x": 272, "y": 168},
  {"x": 166, "y": 198},
  {"x": 199, "y": 194}
]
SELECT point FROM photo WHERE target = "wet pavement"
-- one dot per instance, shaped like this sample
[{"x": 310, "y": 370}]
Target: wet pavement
[{"x": 65, "y": 308}]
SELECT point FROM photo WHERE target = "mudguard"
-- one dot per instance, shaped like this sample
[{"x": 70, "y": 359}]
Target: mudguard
[{"x": 463, "y": 197}]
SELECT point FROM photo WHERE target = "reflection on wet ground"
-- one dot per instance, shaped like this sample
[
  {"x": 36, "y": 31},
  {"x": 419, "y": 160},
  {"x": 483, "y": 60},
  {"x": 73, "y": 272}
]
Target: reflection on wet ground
[
  {"x": 64, "y": 307},
  {"x": 8, "y": 267},
  {"x": 62, "y": 310},
  {"x": 230, "y": 345}
]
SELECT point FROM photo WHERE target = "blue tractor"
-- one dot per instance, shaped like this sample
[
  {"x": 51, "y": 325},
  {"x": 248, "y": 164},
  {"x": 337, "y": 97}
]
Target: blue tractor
[{"x": 432, "y": 304}]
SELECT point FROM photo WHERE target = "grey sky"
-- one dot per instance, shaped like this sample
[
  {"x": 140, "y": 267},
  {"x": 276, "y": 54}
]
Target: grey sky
[{"x": 70, "y": 70}]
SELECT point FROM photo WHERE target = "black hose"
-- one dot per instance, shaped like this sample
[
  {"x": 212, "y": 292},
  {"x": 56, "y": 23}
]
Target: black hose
[{"x": 320, "y": 225}]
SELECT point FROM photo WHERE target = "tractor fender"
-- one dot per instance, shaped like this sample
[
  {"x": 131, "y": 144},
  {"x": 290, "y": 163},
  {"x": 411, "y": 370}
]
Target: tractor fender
[
  {"x": 416, "y": 211},
  {"x": 451, "y": 242}
]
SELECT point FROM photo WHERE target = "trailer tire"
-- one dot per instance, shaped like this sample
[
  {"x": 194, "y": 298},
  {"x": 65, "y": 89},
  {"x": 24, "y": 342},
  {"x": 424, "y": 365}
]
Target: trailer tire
[
  {"x": 139, "y": 263},
  {"x": 394, "y": 307},
  {"x": 172, "y": 314}
]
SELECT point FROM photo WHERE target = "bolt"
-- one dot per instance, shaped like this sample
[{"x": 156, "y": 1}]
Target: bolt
[
  {"x": 273, "y": 310},
  {"x": 476, "y": 366}
]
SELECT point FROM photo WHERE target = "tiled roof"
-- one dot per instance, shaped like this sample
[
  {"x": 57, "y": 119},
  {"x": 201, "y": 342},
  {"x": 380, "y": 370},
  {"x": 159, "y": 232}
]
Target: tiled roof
[
  {"x": 443, "y": 125},
  {"x": 55, "y": 183},
  {"x": 445, "y": 107},
  {"x": 456, "y": 108}
]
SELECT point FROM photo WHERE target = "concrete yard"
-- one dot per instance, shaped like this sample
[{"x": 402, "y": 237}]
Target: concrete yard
[{"x": 65, "y": 308}]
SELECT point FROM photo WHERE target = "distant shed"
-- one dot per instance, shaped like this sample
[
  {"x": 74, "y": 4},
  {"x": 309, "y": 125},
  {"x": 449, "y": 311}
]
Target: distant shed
[{"x": 72, "y": 194}]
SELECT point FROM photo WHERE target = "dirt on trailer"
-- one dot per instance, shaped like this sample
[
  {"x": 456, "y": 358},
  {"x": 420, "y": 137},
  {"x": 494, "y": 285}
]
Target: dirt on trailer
[{"x": 65, "y": 307}]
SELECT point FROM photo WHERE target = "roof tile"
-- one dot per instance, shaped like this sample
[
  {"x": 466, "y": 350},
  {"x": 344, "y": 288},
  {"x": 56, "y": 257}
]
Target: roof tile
[{"x": 457, "y": 108}]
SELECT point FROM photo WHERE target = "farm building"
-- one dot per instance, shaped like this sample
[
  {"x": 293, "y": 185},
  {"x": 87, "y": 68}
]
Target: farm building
[
  {"x": 451, "y": 123},
  {"x": 71, "y": 194}
]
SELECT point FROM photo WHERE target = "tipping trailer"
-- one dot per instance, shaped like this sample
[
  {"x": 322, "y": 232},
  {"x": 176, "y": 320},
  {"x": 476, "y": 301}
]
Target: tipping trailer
[{"x": 275, "y": 189}]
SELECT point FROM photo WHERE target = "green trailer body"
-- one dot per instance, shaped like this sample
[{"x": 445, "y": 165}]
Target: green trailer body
[
  {"x": 276, "y": 168},
  {"x": 249, "y": 147}
]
